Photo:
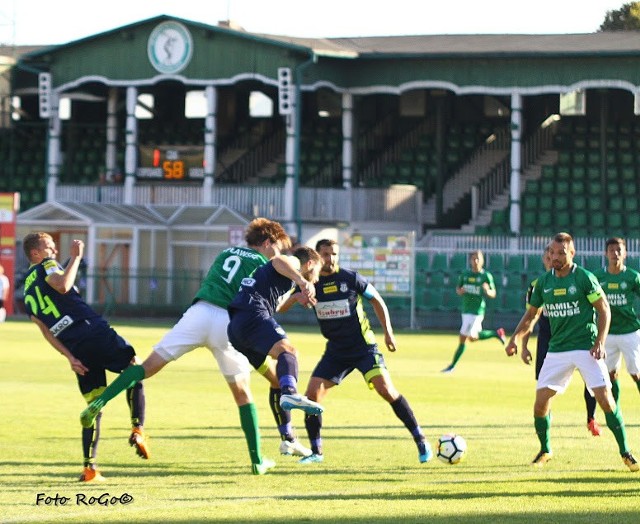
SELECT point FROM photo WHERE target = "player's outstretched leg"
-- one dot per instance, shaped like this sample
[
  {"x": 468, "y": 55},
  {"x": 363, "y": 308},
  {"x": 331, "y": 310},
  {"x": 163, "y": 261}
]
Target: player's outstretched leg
[
  {"x": 125, "y": 380},
  {"x": 289, "y": 444},
  {"x": 90, "y": 440}
]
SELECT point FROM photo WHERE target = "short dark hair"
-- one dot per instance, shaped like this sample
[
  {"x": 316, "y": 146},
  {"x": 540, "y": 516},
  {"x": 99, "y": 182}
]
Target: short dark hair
[
  {"x": 563, "y": 238},
  {"x": 325, "y": 242},
  {"x": 304, "y": 254},
  {"x": 615, "y": 241}
]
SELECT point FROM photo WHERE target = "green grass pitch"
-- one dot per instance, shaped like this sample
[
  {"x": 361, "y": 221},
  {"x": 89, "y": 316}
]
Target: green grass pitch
[{"x": 199, "y": 470}]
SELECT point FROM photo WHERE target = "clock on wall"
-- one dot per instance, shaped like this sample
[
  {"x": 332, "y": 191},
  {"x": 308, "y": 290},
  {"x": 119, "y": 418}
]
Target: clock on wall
[{"x": 170, "y": 47}]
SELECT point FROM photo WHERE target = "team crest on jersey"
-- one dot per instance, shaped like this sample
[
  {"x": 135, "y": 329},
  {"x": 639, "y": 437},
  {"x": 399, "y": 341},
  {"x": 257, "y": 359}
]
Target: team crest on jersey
[
  {"x": 343, "y": 287},
  {"x": 623, "y": 285},
  {"x": 573, "y": 290},
  {"x": 248, "y": 282}
]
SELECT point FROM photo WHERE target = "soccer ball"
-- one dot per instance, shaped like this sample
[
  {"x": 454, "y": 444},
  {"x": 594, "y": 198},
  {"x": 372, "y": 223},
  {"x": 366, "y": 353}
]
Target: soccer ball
[{"x": 452, "y": 449}]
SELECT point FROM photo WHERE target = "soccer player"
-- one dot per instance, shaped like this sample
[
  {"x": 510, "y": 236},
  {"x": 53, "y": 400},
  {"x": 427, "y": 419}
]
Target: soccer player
[
  {"x": 474, "y": 285},
  {"x": 204, "y": 324},
  {"x": 622, "y": 285},
  {"x": 351, "y": 345},
  {"x": 255, "y": 333},
  {"x": 88, "y": 342},
  {"x": 572, "y": 296},
  {"x": 542, "y": 347}
]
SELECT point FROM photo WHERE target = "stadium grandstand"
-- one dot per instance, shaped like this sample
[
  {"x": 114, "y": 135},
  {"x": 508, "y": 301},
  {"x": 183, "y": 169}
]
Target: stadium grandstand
[{"x": 450, "y": 142}]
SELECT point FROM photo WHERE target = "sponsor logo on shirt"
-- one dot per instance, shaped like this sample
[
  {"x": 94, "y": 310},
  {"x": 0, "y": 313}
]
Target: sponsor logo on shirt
[
  {"x": 332, "y": 309},
  {"x": 329, "y": 288},
  {"x": 559, "y": 292},
  {"x": 248, "y": 282},
  {"x": 563, "y": 309},
  {"x": 61, "y": 325}
]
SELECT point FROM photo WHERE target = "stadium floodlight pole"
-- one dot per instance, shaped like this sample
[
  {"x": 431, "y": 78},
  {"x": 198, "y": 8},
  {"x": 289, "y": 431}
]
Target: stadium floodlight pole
[{"x": 298, "y": 71}]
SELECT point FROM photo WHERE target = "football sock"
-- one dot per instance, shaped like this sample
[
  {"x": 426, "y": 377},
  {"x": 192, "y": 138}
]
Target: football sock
[
  {"x": 124, "y": 380},
  {"x": 287, "y": 371},
  {"x": 458, "y": 354},
  {"x": 404, "y": 412},
  {"x": 90, "y": 438},
  {"x": 249, "y": 424},
  {"x": 591, "y": 404},
  {"x": 487, "y": 333},
  {"x": 615, "y": 389},
  {"x": 542, "y": 425},
  {"x": 616, "y": 425},
  {"x": 136, "y": 402},
  {"x": 282, "y": 417},
  {"x": 313, "y": 423},
  {"x": 637, "y": 385}
]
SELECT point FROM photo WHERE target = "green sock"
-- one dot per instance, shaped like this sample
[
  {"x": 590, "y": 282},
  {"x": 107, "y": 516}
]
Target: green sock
[
  {"x": 487, "y": 333},
  {"x": 615, "y": 389},
  {"x": 458, "y": 354},
  {"x": 637, "y": 385},
  {"x": 616, "y": 425},
  {"x": 542, "y": 425},
  {"x": 125, "y": 380},
  {"x": 249, "y": 423}
]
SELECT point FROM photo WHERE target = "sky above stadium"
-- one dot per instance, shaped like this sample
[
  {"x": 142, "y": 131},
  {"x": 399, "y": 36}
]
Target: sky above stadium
[{"x": 46, "y": 22}]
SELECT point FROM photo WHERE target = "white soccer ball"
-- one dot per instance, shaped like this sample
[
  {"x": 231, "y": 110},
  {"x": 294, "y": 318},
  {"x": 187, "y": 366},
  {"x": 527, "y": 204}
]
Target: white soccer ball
[{"x": 452, "y": 449}]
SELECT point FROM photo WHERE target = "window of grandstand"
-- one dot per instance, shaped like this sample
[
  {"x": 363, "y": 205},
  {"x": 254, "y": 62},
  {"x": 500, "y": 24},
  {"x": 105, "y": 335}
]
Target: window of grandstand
[
  {"x": 260, "y": 105},
  {"x": 636, "y": 104},
  {"x": 195, "y": 104},
  {"x": 494, "y": 107},
  {"x": 144, "y": 107},
  {"x": 413, "y": 103},
  {"x": 329, "y": 103},
  {"x": 16, "y": 104},
  {"x": 64, "y": 108},
  {"x": 573, "y": 103}
]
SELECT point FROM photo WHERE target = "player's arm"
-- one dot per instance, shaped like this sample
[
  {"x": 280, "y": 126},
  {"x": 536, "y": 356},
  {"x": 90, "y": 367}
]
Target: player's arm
[
  {"x": 63, "y": 281},
  {"x": 76, "y": 366},
  {"x": 524, "y": 327},
  {"x": 289, "y": 267},
  {"x": 603, "y": 321},
  {"x": 382, "y": 312}
]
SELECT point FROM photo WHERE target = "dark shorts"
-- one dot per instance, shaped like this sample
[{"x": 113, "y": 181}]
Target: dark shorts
[
  {"x": 103, "y": 349},
  {"x": 336, "y": 367},
  {"x": 254, "y": 335}
]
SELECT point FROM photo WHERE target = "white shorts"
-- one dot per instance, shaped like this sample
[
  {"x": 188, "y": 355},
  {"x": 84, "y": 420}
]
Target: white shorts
[
  {"x": 627, "y": 346},
  {"x": 558, "y": 369},
  {"x": 205, "y": 325},
  {"x": 471, "y": 325}
]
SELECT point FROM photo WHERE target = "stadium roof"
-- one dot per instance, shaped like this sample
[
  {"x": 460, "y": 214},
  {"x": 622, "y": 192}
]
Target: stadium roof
[{"x": 613, "y": 42}]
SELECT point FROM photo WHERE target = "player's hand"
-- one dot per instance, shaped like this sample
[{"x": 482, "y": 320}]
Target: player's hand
[
  {"x": 77, "y": 366},
  {"x": 77, "y": 248},
  {"x": 390, "y": 342},
  {"x": 511, "y": 348},
  {"x": 597, "y": 351},
  {"x": 303, "y": 300},
  {"x": 526, "y": 356}
]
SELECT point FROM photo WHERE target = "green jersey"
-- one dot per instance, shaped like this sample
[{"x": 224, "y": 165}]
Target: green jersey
[
  {"x": 568, "y": 303},
  {"x": 473, "y": 301},
  {"x": 621, "y": 290},
  {"x": 222, "y": 282}
]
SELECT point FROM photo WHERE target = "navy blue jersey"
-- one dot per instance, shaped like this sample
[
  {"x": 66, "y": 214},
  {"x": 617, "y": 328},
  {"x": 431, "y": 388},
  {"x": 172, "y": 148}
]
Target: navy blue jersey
[
  {"x": 340, "y": 312},
  {"x": 63, "y": 314},
  {"x": 262, "y": 291}
]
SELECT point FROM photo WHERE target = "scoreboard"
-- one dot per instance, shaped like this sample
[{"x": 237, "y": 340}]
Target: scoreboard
[{"x": 171, "y": 163}]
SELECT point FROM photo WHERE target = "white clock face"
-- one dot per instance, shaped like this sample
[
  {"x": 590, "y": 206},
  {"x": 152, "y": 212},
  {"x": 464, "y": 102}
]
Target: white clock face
[{"x": 170, "y": 47}]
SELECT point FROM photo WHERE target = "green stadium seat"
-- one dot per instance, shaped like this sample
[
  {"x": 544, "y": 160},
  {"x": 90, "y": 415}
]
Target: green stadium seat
[
  {"x": 579, "y": 202},
  {"x": 439, "y": 262},
  {"x": 592, "y": 262},
  {"x": 515, "y": 264},
  {"x": 422, "y": 262},
  {"x": 437, "y": 279},
  {"x": 534, "y": 264},
  {"x": 495, "y": 263},
  {"x": 458, "y": 262}
]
